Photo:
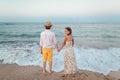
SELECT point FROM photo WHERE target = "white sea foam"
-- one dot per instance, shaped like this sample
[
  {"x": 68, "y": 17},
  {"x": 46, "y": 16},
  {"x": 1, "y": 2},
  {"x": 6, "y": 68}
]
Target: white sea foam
[{"x": 97, "y": 60}]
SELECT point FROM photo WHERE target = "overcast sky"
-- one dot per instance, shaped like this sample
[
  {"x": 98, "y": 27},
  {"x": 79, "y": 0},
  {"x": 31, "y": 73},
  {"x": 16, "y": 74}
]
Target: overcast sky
[{"x": 53, "y": 9}]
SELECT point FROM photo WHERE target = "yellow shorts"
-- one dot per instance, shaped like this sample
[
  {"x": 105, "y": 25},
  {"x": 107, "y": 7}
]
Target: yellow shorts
[{"x": 47, "y": 54}]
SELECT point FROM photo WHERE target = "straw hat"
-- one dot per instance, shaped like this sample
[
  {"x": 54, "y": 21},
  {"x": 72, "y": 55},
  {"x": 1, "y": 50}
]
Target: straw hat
[{"x": 48, "y": 24}]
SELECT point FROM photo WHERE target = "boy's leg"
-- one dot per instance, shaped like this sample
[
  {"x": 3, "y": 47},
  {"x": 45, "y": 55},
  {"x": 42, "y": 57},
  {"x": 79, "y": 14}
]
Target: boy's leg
[
  {"x": 50, "y": 66},
  {"x": 50, "y": 59},
  {"x": 44, "y": 60},
  {"x": 44, "y": 67}
]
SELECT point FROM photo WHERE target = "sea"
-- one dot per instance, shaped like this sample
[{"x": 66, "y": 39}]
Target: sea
[{"x": 96, "y": 48}]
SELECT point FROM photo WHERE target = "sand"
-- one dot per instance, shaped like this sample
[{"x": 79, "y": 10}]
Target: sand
[
  {"x": 115, "y": 74},
  {"x": 16, "y": 72}
]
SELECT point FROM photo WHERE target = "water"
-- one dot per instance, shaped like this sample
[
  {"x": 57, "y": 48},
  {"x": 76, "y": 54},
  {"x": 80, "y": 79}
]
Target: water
[{"x": 97, "y": 46}]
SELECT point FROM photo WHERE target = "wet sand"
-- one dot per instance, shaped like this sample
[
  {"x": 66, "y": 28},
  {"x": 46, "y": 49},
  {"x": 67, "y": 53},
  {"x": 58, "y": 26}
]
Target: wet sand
[{"x": 16, "y": 72}]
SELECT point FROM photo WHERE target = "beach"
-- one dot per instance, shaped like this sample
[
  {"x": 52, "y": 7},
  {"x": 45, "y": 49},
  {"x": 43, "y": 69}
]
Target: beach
[
  {"x": 94, "y": 50},
  {"x": 97, "y": 55},
  {"x": 16, "y": 72}
]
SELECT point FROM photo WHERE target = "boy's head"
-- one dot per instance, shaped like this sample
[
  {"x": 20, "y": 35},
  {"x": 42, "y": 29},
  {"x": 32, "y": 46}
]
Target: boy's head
[{"x": 48, "y": 25}]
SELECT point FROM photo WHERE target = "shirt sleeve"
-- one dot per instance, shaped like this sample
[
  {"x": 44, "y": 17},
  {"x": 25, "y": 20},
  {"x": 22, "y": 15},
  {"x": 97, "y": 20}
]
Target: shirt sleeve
[
  {"x": 41, "y": 42},
  {"x": 54, "y": 39}
]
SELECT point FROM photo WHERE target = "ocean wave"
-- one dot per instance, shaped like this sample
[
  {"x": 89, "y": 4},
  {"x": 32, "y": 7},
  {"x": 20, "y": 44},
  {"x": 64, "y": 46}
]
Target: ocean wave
[
  {"x": 8, "y": 23},
  {"x": 97, "y": 60},
  {"x": 19, "y": 35}
]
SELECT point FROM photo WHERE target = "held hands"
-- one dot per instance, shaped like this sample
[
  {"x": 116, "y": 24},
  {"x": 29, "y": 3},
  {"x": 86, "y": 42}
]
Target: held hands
[{"x": 58, "y": 49}]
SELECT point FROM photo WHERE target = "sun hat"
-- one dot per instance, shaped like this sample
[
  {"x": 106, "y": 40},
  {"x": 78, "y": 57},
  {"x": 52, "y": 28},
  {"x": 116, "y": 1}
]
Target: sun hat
[{"x": 48, "y": 24}]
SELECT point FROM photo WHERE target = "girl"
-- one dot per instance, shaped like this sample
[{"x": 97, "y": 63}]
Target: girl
[{"x": 70, "y": 66}]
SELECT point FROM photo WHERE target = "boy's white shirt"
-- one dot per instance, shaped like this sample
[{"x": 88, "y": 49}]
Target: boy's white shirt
[{"x": 47, "y": 39}]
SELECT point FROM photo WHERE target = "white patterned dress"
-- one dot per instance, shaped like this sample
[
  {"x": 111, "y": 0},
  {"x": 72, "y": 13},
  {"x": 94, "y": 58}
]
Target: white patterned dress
[{"x": 70, "y": 66}]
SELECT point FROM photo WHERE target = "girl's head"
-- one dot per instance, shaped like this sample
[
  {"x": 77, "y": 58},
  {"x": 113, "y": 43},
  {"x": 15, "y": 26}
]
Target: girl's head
[{"x": 68, "y": 31}]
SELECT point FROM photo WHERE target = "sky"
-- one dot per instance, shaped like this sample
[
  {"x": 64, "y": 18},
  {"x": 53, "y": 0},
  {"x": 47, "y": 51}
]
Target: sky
[{"x": 60, "y": 10}]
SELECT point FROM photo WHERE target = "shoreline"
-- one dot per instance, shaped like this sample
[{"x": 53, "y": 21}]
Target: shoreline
[
  {"x": 99, "y": 44},
  {"x": 16, "y": 72}
]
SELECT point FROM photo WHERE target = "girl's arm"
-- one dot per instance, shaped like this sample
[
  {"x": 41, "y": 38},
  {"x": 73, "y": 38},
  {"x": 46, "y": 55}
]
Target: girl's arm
[
  {"x": 72, "y": 42},
  {"x": 64, "y": 42}
]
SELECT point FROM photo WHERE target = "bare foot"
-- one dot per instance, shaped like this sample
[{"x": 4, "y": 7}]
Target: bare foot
[
  {"x": 50, "y": 72},
  {"x": 44, "y": 72},
  {"x": 64, "y": 74}
]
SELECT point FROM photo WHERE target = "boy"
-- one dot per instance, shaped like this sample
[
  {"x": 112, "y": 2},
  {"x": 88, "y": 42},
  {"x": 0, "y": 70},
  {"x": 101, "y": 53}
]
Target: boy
[{"x": 47, "y": 39}]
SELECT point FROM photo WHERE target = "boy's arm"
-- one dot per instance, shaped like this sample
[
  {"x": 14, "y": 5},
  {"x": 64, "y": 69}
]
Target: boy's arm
[
  {"x": 55, "y": 41},
  {"x": 41, "y": 44},
  {"x": 41, "y": 49},
  {"x": 56, "y": 45}
]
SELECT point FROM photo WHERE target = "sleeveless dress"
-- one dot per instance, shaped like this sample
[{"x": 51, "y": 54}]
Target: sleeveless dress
[{"x": 70, "y": 66}]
